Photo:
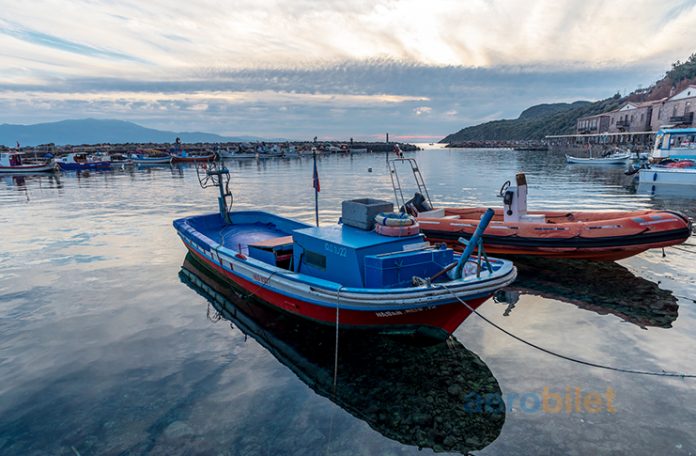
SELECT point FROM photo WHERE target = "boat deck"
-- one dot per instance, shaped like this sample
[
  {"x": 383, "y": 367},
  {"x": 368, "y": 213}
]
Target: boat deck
[
  {"x": 350, "y": 237},
  {"x": 245, "y": 234}
]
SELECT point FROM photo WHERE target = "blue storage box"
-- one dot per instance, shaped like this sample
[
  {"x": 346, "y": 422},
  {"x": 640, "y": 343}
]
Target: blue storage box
[{"x": 397, "y": 269}]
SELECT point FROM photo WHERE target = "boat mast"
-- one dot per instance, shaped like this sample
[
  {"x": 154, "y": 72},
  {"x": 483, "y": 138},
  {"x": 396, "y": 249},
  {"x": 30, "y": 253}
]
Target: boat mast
[{"x": 214, "y": 175}]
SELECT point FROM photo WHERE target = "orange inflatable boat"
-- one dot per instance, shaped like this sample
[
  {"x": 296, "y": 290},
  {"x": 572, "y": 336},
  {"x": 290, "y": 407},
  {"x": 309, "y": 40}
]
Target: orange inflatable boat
[{"x": 605, "y": 236}]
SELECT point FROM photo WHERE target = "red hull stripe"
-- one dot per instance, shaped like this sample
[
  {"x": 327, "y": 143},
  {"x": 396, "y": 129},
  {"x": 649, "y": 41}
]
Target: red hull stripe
[{"x": 445, "y": 317}]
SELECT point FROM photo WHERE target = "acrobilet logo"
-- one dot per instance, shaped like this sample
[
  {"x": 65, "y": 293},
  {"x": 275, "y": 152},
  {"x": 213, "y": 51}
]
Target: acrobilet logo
[
  {"x": 577, "y": 401},
  {"x": 570, "y": 400}
]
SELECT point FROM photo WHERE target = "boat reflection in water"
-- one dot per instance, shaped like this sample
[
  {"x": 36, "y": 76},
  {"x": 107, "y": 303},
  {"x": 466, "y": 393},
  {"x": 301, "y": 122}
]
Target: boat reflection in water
[
  {"x": 687, "y": 192},
  {"x": 605, "y": 288},
  {"x": 414, "y": 394}
]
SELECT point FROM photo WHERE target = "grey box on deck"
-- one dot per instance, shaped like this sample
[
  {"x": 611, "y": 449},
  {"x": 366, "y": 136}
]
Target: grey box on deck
[{"x": 360, "y": 213}]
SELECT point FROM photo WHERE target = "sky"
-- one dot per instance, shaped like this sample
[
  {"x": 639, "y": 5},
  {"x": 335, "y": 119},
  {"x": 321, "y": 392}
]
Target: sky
[{"x": 333, "y": 69}]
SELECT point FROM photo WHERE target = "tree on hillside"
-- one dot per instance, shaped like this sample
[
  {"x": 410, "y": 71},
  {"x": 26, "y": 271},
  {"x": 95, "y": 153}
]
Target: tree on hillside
[{"x": 683, "y": 70}]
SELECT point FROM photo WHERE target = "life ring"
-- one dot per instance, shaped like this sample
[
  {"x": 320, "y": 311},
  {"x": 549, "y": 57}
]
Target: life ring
[
  {"x": 394, "y": 219},
  {"x": 398, "y": 231}
]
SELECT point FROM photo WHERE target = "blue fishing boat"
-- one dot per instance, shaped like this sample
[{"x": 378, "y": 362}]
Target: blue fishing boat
[
  {"x": 81, "y": 162},
  {"x": 345, "y": 274}
]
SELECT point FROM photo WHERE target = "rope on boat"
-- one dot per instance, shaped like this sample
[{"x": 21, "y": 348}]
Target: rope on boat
[
  {"x": 566, "y": 357},
  {"x": 260, "y": 287}
]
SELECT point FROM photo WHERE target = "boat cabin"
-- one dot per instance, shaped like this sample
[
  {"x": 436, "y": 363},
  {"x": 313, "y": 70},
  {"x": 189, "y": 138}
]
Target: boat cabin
[
  {"x": 360, "y": 258},
  {"x": 348, "y": 255},
  {"x": 10, "y": 159},
  {"x": 675, "y": 143}
]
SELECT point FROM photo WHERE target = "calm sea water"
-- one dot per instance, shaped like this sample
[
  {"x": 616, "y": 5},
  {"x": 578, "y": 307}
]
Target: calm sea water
[{"x": 107, "y": 347}]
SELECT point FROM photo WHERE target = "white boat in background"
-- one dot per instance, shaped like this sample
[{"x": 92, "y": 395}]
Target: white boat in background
[
  {"x": 232, "y": 154},
  {"x": 309, "y": 151},
  {"x": 674, "y": 143},
  {"x": 11, "y": 163},
  {"x": 290, "y": 152},
  {"x": 616, "y": 158}
]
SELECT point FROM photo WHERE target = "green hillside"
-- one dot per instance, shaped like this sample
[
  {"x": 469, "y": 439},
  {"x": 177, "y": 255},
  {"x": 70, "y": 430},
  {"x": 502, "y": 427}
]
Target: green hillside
[
  {"x": 541, "y": 120},
  {"x": 550, "y": 108},
  {"x": 536, "y": 122}
]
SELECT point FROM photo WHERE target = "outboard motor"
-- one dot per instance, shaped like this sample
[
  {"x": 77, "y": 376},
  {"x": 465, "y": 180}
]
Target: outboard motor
[
  {"x": 419, "y": 203},
  {"x": 515, "y": 200}
]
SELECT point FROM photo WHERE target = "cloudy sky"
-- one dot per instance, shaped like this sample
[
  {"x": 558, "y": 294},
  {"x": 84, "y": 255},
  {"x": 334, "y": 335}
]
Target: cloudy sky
[{"x": 335, "y": 69}]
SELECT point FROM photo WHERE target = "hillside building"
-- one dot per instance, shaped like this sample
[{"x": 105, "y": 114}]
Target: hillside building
[
  {"x": 677, "y": 110},
  {"x": 598, "y": 123},
  {"x": 632, "y": 117},
  {"x": 648, "y": 116}
]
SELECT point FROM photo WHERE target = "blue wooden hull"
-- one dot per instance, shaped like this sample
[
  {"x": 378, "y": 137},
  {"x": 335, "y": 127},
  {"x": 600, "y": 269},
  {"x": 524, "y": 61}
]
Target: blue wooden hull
[
  {"x": 229, "y": 250},
  {"x": 84, "y": 166}
]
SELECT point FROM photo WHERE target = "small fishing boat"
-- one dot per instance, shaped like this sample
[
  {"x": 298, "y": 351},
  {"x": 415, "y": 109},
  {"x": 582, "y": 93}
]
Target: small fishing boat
[
  {"x": 184, "y": 157},
  {"x": 12, "y": 163},
  {"x": 81, "y": 162},
  {"x": 602, "y": 236},
  {"x": 342, "y": 274},
  {"x": 235, "y": 154},
  {"x": 119, "y": 159},
  {"x": 142, "y": 159},
  {"x": 614, "y": 158}
]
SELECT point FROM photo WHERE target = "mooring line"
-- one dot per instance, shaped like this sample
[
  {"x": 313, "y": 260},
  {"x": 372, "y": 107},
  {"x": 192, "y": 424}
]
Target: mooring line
[
  {"x": 567, "y": 358},
  {"x": 683, "y": 249}
]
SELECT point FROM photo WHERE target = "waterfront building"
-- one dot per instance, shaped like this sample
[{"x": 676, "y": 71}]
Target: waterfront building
[
  {"x": 632, "y": 117},
  {"x": 677, "y": 110},
  {"x": 598, "y": 123}
]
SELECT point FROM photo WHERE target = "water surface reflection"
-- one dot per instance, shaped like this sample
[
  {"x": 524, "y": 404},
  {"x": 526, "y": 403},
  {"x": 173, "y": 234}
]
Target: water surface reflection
[
  {"x": 605, "y": 288},
  {"x": 410, "y": 393}
]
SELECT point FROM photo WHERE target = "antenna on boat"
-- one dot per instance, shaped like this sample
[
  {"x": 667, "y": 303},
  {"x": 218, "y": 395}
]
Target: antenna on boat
[{"x": 212, "y": 174}]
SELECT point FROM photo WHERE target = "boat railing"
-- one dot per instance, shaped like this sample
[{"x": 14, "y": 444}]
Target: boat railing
[{"x": 396, "y": 181}]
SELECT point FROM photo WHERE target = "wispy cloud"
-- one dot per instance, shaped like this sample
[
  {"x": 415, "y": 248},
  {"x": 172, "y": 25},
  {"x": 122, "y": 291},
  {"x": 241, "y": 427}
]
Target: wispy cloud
[
  {"x": 345, "y": 66},
  {"x": 44, "y": 39}
]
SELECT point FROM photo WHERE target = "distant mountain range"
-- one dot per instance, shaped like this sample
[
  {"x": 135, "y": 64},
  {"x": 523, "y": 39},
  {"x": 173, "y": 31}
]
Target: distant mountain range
[
  {"x": 561, "y": 118},
  {"x": 99, "y": 131}
]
